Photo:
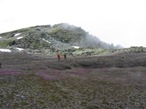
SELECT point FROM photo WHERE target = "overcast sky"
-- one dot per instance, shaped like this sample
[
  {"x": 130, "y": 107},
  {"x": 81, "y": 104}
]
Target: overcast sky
[{"x": 113, "y": 21}]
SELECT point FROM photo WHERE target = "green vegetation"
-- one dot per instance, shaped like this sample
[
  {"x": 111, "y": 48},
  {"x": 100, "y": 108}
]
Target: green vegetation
[
  {"x": 6, "y": 43},
  {"x": 90, "y": 52},
  {"x": 68, "y": 34},
  {"x": 89, "y": 93}
]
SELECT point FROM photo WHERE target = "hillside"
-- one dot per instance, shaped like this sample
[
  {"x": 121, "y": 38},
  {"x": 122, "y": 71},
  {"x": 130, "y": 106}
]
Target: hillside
[
  {"x": 96, "y": 82},
  {"x": 114, "y": 79},
  {"x": 47, "y": 38}
]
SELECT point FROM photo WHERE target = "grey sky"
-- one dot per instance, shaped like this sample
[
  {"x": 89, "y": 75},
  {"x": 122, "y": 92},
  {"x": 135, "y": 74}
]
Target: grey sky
[{"x": 113, "y": 21}]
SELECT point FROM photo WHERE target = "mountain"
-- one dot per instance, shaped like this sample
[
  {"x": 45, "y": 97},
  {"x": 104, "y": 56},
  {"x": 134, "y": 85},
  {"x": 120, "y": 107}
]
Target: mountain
[{"x": 59, "y": 37}]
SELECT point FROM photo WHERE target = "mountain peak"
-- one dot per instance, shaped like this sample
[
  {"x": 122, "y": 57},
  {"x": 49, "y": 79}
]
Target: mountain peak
[{"x": 61, "y": 36}]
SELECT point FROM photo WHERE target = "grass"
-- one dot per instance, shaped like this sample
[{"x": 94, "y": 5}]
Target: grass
[
  {"x": 86, "y": 91},
  {"x": 31, "y": 82}
]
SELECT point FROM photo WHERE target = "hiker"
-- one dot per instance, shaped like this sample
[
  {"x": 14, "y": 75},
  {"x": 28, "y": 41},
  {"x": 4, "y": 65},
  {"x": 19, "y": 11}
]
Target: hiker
[
  {"x": 65, "y": 56},
  {"x": 58, "y": 57}
]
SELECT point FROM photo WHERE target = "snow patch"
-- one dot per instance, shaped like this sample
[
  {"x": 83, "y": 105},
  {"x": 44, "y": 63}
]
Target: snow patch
[
  {"x": 76, "y": 47},
  {"x": 5, "y": 50},
  {"x": 46, "y": 40},
  {"x": 19, "y": 37},
  {"x": 17, "y": 34},
  {"x": 20, "y": 49}
]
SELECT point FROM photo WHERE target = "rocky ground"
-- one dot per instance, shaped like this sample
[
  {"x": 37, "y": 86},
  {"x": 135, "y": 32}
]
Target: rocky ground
[{"x": 96, "y": 82}]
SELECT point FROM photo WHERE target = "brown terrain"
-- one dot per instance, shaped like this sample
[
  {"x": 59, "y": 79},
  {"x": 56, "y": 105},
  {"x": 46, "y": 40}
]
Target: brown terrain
[{"x": 93, "y": 82}]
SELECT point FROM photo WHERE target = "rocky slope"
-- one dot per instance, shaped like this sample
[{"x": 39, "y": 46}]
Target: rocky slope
[{"x": 46, "y": 38}]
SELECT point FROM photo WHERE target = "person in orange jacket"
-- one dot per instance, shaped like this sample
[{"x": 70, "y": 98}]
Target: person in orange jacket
[{"x": 58, "y": 56}]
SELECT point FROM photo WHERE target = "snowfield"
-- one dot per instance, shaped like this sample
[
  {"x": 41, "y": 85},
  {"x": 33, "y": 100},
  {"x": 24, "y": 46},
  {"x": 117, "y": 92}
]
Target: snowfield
[
  {"x": 76, "y": 47},
  {"x": 19, "y": 49},
  {"x": 17, "y": 34},
  {"x": 45, "y": 40},
  {"x": 19, "y": 37},
  {"x": 5, "y": 50}
]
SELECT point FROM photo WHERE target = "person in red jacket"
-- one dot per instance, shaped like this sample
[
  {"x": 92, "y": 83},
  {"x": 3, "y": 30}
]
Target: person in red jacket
[{"x": 58, "y": 57}]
